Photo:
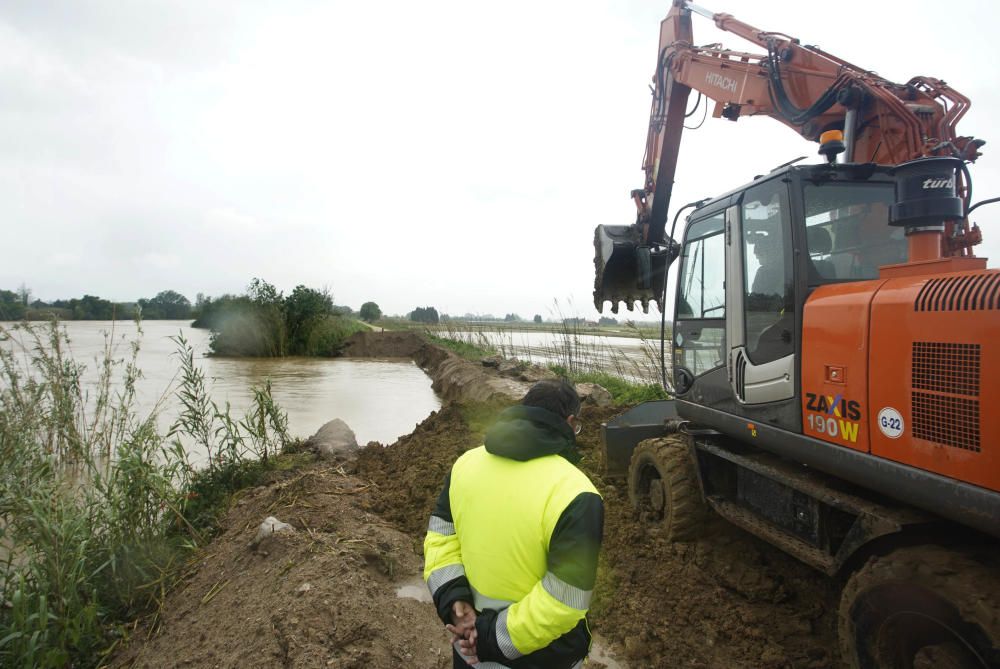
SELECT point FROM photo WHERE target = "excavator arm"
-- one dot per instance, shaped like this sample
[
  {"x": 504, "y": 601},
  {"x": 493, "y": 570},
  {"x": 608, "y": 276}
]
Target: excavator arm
[{"x": 801, "y": 86}]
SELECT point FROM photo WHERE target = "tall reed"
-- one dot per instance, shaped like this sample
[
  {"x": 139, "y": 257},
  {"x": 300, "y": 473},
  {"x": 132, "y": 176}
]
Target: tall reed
[{"x": 96, "y": 507}]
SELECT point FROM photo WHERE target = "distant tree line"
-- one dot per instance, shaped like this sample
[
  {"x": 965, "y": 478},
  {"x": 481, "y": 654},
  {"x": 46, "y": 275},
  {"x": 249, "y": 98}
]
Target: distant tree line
[
  {"x": 166, "y": 305},
  {"x": 425, "y": 315}
]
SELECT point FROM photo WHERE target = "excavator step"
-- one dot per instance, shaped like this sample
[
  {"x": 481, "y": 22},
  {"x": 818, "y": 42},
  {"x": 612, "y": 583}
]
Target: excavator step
[{"x": 786, "y": 541}]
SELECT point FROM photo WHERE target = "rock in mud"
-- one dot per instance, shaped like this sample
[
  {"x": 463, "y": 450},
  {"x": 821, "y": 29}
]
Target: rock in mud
[
  {"x": 333, "y": 439},
  {"x": 592, "y": 394},
  {"x": 270, "y": 526},
  {"x": 491, "y": 361}
]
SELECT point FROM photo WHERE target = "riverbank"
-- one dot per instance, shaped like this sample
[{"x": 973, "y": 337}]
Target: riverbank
[{"x": 334, "y": 592}]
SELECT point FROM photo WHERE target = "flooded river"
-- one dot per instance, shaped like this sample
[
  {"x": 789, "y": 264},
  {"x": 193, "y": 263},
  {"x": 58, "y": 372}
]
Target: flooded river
[{"x": 379, "y": 399}]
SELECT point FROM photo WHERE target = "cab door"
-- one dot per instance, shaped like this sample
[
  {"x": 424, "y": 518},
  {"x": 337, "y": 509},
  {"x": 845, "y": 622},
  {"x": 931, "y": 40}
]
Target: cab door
[
  {"x": 760, "y": 296},
  {"x": 700, "y": 318}
]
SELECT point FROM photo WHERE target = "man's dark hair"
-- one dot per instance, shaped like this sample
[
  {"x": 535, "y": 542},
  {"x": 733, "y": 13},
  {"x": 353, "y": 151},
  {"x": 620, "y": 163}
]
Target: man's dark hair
[{"x": 556, "y": 395}]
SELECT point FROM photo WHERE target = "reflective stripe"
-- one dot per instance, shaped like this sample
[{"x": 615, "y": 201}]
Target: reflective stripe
[
  {"x": 507, "y": 646},
  {"x": 485, "y": 665},
  {"x": 441, "y": 576},
  {"x": 441, "y": 526},
  {"x": 481, "y": 601},
  {"x": 566, "y": 593}
]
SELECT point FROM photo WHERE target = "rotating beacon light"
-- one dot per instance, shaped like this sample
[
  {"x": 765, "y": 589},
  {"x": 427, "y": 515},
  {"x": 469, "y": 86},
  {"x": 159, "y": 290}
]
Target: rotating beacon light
[{"x": 831, "y": 144}]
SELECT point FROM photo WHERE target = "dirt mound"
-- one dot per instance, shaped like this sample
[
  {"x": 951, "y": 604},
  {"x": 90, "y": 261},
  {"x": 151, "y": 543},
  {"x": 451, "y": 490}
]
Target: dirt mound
[
  {"x": 453, "y": 378},
  {"x": 408, "y": 475},
  {"x": 369, "y": 344},
  {"x": 727, "y": 599},
  {"x": 321, "y": 596},
  {"x": 325, "y": 595}
]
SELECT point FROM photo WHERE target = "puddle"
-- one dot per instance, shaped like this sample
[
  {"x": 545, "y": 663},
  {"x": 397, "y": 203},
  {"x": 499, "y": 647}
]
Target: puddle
[
  {"x": 415, "y": 588},
  {"x": 599, "y": 652}
]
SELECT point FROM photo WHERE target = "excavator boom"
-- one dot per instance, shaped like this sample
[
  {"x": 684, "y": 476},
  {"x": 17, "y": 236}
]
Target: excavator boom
[{"x": 801, "y": 86}]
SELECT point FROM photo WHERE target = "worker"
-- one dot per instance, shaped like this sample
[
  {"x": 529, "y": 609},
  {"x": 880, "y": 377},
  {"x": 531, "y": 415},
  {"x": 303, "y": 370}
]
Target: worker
[
  {"x": 770, "y": 276},
  {"x": 881, "y": 244},
  {"x": 511, "y": 548}
]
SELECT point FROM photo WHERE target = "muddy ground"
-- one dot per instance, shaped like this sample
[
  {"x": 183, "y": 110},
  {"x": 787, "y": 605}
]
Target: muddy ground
[{"x": 325, "y": 595}]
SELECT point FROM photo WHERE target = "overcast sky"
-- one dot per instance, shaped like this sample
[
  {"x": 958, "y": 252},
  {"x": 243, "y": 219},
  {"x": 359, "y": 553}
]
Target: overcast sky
[{"x": 454, "y": 154}]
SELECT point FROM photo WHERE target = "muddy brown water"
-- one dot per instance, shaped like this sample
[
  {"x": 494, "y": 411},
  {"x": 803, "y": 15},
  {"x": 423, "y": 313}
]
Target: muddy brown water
[{"x": 380, "y": 400}]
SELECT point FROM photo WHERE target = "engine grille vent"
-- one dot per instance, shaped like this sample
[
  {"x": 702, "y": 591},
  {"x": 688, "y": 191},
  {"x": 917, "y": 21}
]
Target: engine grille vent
[
  {"x": 946, "y": 368},
  {"x": 942, "y": 371},
  {"x": 741, "y": 374},
  {"x": 970, "y": 292},
  {"x": 952, "y": 421}
]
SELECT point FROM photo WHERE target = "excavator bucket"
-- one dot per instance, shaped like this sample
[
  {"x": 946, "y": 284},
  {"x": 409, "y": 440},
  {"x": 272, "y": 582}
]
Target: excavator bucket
[{"x": 627, "y": 269}]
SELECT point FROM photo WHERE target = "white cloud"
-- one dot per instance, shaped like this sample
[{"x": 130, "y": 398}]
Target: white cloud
[{"x": 452, "y": 153}]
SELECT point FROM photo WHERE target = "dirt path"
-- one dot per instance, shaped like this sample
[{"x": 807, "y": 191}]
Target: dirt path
[{"x": 327, "y": 594}]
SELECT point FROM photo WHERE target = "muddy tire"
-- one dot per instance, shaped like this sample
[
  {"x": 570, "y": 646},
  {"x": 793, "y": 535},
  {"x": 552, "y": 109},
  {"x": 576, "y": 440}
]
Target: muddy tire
[
  {"x": 920, "y": 607},
  {"x": 663, "y": 487}
]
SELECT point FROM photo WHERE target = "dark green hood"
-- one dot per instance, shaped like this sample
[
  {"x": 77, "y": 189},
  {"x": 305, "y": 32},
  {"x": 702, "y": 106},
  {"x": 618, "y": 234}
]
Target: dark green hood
[{"x": 524, "y": 433}]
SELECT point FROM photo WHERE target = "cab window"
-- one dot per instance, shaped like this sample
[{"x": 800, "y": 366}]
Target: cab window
[
  {"x": 699, "y": 329},
  {"x": 848, "y": 233},
  {"x": 767, "y": 261}
]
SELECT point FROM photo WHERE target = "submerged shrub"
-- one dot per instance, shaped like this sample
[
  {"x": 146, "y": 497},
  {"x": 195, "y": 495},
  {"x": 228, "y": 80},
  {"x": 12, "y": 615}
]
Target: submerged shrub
[{"x": 264, "y": 323}]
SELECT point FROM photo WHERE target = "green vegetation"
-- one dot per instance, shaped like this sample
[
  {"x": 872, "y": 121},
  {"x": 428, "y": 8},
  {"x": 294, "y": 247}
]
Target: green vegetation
[
  {"x": 370, "y": 312},
  {"x": 265, "y": 323},
  {"x": 465, "y": 349},
  {"x": 98, "y": 512},
  {"x": 12, "y": 306},
  {"x": 167, "y": 305},
  {"x": 425, "y": 315},
  {"x": 623, "y": 391},
  {"x": 581, "y": 361}
]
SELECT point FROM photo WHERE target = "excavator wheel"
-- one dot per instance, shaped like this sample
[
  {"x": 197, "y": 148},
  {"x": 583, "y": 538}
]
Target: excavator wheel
[
  {"x": 663, "y": 487},
  {"x": 922, "y": 607}
]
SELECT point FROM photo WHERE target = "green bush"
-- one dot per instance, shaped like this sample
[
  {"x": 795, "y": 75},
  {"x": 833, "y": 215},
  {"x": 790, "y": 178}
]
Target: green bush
[
  {"x": 264, "y": 323},
  {"x": 328, "y": 336}
]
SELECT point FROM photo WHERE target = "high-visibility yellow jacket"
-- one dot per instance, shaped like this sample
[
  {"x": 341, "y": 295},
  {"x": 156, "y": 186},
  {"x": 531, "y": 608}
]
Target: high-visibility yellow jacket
[{"x": 516, "y": 531}]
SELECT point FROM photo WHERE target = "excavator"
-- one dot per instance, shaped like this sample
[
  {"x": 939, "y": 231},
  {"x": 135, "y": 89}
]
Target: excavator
[{"x": 835, "y": 347}]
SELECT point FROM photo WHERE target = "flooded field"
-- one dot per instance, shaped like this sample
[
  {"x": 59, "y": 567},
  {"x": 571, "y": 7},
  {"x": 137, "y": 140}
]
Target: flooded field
[
  {"x": 634, "y": 358},
  {"x": 380, "y": 399}
]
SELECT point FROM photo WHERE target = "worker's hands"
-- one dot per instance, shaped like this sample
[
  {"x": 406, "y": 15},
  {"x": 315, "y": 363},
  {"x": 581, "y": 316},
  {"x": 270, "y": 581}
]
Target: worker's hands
[
  {"x": 463, "y": 619},
  {"x": 463, "y": 630}
]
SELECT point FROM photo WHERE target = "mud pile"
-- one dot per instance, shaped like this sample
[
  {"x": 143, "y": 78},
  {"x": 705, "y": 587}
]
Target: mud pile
[
  {"x": 725, "y": 600},
  {"x": 321, "y": 596},
  {"x": 453, "y": 378},
  {"x": 325, "y": 594}
]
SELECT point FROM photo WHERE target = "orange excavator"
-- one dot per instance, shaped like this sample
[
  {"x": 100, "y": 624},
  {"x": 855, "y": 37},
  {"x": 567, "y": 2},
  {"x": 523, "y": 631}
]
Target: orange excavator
[{"x": 835, "y": 348}]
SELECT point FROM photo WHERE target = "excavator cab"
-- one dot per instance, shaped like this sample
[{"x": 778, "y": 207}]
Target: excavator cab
[{"x": 750, "y": 260}]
